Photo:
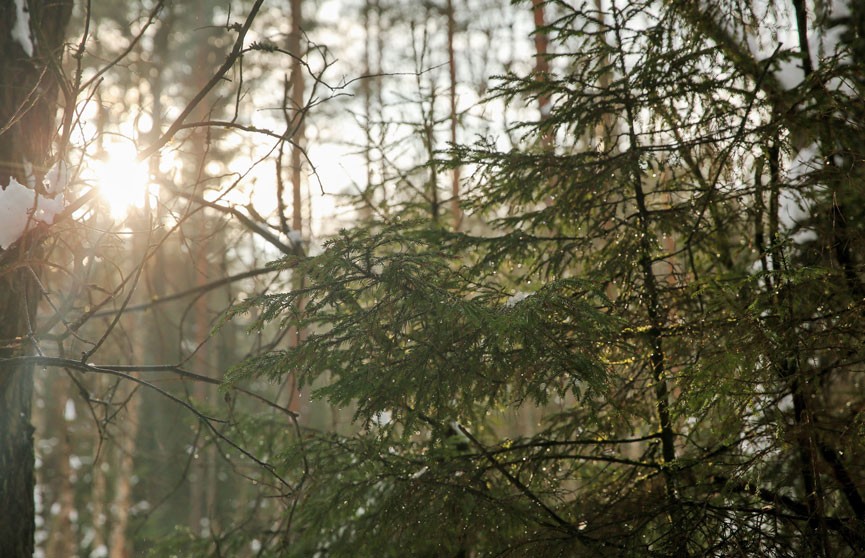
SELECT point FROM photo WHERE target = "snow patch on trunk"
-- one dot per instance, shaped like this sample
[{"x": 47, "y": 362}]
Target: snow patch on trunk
[
  {"x": 21, "y": 29},
  {"x": 21, "y": 208}
]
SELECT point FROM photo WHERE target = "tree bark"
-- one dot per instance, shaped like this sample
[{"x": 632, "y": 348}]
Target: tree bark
[
  {"x": 119, "y": 545},
  {"x": 17, "y": 298},
  {"x": 55, "y": 477},
  {"x": 296, "y": 334},
  {"x": 30, "y": 44},
  {"x": 456, "y": 210},
  {"x": 542, "y": 67}
]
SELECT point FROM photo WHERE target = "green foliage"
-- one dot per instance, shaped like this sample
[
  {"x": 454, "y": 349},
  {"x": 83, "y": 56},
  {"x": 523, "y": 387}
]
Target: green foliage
[
  {"x": 399, "y": 325},
  {"x": 632, "y": 275}
]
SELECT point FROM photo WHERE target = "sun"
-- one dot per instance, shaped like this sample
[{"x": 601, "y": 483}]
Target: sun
[{"x": 123, "y": 181}]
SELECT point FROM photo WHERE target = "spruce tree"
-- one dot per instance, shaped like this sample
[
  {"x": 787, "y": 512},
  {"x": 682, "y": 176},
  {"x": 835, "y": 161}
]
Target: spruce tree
[{"x": 669, "y": 266}]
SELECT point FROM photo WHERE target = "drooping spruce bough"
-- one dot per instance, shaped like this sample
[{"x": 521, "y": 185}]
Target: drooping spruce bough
[{"x": 668, "y": 265}]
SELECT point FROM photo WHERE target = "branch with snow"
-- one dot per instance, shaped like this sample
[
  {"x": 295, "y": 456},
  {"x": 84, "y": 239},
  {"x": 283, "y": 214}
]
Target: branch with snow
[
  {"x": 516, "y": 298},
  {"x": 22, "y": 208}
]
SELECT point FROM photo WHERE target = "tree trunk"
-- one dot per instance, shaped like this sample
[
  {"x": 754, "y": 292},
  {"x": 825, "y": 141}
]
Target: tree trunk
[
  {"x": 17, "y": 298},
  {"x": 99, "y": 491},
  {"x": 55, "y": 477},
  {"x": 27, "y": 108},
  {"x": 295, "y": 335},
  {"x": 542, "y": 66},
  {"x": 456, "y": 210},
  {"x": 119, "y": 546}
]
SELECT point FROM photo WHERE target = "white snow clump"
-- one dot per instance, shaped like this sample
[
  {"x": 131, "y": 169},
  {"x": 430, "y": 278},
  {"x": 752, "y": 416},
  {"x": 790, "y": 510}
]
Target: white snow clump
[
  {"x": 518, "y": 296},
  {"x": 21, "y": 208},
  {"x": 21, "y": 29}
]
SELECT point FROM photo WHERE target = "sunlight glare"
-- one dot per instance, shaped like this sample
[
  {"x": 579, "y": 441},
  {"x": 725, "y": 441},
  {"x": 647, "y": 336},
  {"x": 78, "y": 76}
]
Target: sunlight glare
[{"x": 123, "y": 180}]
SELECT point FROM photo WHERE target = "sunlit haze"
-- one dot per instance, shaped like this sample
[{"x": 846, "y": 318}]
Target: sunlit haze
[{"x": 122, "y": 179}]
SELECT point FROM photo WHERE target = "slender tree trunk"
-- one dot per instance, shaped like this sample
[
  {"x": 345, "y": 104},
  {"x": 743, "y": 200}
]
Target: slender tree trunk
[
  {"x": 17, "y": 307},
  {"x": 201, "y": 365},
  {"x": 456, "y": 210},
  {"x": 99, "y": 494},
  {"x": 542, "y": 66},
  {"x": 118, "y": 543},
  {"x": 55, "y": 476},
  {"x": 366, "y": 93},
  {"x": 657, "y": 320},
  {"x": 296, "y": 84},
  {"x": 201, "y": 230},
  {"x": 126, "y": 441},
  {"x": 297, "y": 102},
  {"x": 789, "y": 368},
  {"x": 27, "y": 109}
]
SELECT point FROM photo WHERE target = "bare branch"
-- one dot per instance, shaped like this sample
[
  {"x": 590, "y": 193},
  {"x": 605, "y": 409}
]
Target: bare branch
[{"x": 235, "y": 53}]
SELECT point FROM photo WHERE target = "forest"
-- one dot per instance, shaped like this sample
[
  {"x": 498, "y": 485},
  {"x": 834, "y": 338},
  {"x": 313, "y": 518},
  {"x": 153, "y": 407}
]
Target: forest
[{"x": 432, "y": 278}]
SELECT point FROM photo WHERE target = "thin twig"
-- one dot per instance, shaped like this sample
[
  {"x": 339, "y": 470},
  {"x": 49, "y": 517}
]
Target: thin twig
[{"x": 235, "y": 53}]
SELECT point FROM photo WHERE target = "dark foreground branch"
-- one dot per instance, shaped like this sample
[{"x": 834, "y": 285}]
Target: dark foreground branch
[{"x": 126, "y": 372}]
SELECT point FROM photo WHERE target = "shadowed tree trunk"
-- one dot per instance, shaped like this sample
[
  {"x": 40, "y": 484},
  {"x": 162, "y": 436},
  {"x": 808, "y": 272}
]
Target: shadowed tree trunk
[
  {"x": 17, "y": 299},
  {"x": 31, "y": 34}
]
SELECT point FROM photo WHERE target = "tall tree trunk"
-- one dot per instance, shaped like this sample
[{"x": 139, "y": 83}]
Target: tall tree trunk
[
  {"x": 126, "y": 440},
  {"x": 297, "y": 105},
  {"x": 118, "y": 543},
  {"x": 366, "y": 88},
  {"x": 456, "y": 210},
  {"x": 201, "y": 365},
  {"x": 27, "y": 108},
  {"x": 657, "y": 315},
  {"x": 55, "y": 477},
  {"x": 201, "y": 229},
  {"x": 297, "y": 101},
  {"x": 17, "y": 307},
  {"x": 542, "y": 66},
  {"x": 99, "y": 490}
]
